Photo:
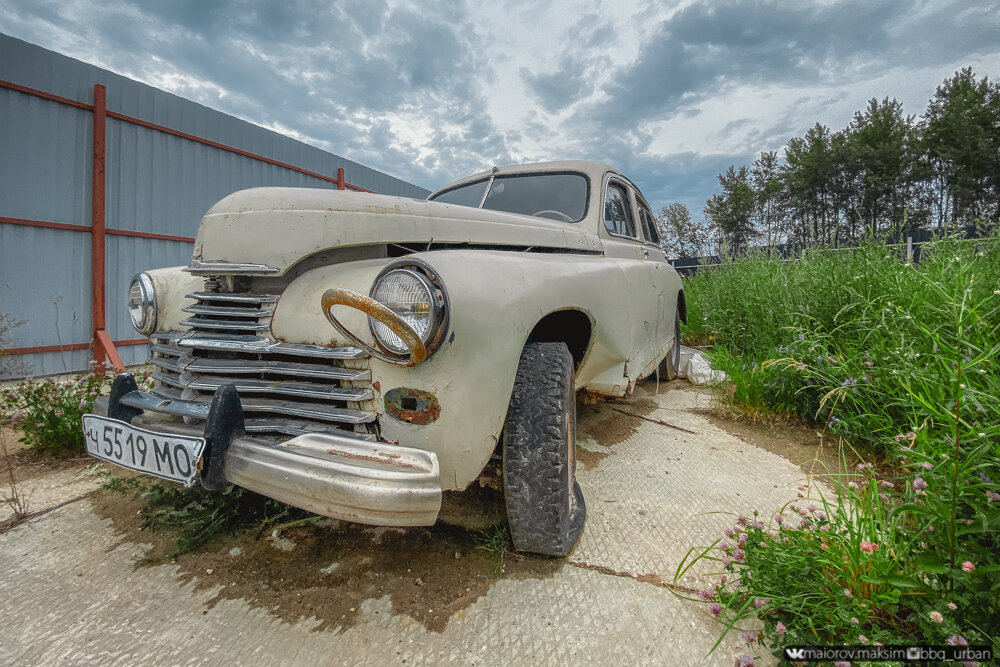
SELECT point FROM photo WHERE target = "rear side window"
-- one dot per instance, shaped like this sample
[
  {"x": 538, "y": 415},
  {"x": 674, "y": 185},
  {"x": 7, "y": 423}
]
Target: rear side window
[
  {"x": 648, "y": 225},
  {"x": 617, "y": 213}
]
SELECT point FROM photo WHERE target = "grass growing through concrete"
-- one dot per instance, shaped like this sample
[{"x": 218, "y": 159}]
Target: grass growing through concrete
[
  {"x": 494, "y": 542},
  {"x": 902, "y": 362},
  {"x": 194, "y": 517}
]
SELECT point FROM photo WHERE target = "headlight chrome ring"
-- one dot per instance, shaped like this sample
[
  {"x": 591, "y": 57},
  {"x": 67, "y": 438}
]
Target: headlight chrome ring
[
  {"x": 142, "y": 303},
  {"x": 415, "y": 293}
]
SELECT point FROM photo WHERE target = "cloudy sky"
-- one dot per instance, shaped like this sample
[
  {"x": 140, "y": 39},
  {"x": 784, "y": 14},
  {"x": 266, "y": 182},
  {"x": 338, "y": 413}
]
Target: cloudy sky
[{"x": 670, "y": 92}]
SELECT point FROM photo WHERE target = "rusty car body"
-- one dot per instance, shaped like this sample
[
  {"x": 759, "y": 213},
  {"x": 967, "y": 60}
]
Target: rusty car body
[{"x": 279, "y": 346}]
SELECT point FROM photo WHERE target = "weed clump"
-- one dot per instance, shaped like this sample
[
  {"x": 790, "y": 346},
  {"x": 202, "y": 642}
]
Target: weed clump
[
  {"x": 194, "y": 517},
  {"x": 494, "y": 542}
]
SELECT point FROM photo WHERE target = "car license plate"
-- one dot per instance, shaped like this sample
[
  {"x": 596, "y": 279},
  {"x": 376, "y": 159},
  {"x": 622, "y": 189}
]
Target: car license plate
[{"x": 173, "y": 457}]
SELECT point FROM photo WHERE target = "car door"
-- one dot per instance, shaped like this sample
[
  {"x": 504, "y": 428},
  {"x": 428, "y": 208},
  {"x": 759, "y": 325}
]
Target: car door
[
  {"x": 623, "y": 241},
  {"x": 666, "y": 296},
  {"x": 651, "y": 237}
]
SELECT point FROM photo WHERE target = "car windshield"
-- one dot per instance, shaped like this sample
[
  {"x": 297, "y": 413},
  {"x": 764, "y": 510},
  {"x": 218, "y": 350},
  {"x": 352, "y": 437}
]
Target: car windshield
[{"x": 557, "y": 196}]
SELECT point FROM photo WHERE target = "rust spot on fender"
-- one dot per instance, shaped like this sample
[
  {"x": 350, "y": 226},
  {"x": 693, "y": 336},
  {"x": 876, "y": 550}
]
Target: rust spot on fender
[
  {"x": 377, "y": 386},
  {"x": 412, "y": 406}
]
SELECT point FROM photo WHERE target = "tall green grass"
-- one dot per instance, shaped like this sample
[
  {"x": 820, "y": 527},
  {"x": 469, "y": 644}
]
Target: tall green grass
[
  {"x": 902, "y": 361},
  {"x": 859, "y": 340}
]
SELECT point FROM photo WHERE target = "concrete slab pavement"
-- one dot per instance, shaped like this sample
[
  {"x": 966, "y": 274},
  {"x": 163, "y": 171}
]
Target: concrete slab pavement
[{"x": 72, "y": 596}]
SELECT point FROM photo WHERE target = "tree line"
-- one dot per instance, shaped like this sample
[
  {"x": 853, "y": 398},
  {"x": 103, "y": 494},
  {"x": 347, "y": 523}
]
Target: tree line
[{"x": 885, "y": 172}]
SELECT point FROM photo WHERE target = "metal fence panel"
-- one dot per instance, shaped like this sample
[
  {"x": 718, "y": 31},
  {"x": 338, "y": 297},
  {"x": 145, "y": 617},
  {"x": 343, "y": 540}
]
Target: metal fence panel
[
  {"x": 45, "y": 282},
  {"x": 164, "y": 184},
  {"x": 45, "y": 159}
]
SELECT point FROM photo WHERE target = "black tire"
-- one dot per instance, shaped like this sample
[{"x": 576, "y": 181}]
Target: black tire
[
  {"x": 670, "y": 366},
  {"x": 545, "y": 508}
]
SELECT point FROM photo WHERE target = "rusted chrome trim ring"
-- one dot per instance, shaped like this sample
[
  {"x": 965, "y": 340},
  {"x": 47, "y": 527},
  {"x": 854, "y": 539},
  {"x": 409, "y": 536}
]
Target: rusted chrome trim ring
[{"x": 339, "y": 296}]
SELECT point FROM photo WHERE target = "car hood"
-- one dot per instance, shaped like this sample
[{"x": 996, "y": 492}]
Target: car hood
[{"x": 277, "y": 227}]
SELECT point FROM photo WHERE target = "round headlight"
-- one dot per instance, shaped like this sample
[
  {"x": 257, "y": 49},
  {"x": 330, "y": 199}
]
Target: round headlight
[
  {"x": 142, "y": 304},
  {"x": 415, "y": 299}
]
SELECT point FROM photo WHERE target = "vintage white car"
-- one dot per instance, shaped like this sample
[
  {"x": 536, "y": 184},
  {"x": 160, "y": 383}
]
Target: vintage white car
[{"x": 356, "y": 354}]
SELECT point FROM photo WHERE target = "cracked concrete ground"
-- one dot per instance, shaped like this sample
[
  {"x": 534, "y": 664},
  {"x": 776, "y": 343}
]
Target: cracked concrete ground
[{"x": 72, "y": 595}]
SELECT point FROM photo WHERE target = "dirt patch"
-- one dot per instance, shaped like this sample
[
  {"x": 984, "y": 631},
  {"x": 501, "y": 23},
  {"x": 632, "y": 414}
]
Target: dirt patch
[
  {"x": 123, "y": 512},
  {"x": 589, "y": 458},
  {"x": 29, "y": 464},
  {"x": 326, "y": 571},
  {"x": 12, "y": 439},
  {"x": 526, "y": 566},
  {"x": 478, "y": 507},
  {"x": 808, "y": 447},
  {"x": 609, "y": 427}
]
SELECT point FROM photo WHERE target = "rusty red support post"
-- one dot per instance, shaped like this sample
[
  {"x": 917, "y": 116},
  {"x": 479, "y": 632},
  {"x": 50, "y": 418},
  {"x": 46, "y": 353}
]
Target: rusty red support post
[
  {"x": 102, "y": 339},
  {"x": 103, "y": 347},
  {"x": 97, "y": 222},
  {"x": 341, "y": 181}
]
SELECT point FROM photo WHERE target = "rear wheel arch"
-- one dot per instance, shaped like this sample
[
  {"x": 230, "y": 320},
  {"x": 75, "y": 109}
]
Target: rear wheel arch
[{"x": 682, "y": 306}]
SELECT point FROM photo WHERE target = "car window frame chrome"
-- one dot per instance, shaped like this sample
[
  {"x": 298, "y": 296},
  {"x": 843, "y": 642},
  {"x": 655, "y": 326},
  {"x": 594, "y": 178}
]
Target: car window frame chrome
[
  {"x": 640, "y": 203},
  {"x": 625, "y": 184}
]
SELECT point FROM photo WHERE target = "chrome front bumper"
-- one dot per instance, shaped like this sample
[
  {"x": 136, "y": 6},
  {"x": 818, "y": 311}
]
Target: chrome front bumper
[
  {"x": 350, "y": 479},
  {"x": 339, "y": 476}
]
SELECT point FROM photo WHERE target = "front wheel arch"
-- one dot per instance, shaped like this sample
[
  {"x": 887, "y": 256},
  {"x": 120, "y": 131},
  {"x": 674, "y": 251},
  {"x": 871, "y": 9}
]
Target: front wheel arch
[{"x": 573, "y": 327}]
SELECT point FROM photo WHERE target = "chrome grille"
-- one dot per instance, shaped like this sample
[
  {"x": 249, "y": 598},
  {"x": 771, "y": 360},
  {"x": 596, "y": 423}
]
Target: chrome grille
[
  {"x": 219, "y": 311},
  {"x": 285, "y": 388}
]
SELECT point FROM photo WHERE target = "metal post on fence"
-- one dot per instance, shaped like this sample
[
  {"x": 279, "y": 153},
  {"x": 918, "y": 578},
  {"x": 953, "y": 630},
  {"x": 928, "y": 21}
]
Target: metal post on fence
[
  {"x": 803, "y": 254},
  {"x": 104, "y": 348},
  {"x": 909, "y": 250}
]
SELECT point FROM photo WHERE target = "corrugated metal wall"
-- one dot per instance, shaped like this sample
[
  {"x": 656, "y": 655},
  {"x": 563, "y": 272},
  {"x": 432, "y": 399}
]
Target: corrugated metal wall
[{"x": 155, "y": 182}]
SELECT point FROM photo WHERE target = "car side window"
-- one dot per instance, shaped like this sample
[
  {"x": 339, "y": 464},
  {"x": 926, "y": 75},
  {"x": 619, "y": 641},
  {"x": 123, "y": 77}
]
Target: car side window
[
  {"x": 617, "y": 214},
  {"x": 648, "y": 225}
]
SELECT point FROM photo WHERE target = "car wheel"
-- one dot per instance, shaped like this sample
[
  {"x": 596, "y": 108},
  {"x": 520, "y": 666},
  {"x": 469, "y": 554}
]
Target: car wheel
[
  {"x": 670, "y": 366},
  {"x": 545, "y": 508}
]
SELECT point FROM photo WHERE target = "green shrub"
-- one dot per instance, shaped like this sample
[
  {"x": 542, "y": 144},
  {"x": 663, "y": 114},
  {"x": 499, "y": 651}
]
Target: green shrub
[
  {"x": 196, "y": 516},
  {"x": 869, "y": 565},
  {"x": 48, "y": 412}
]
